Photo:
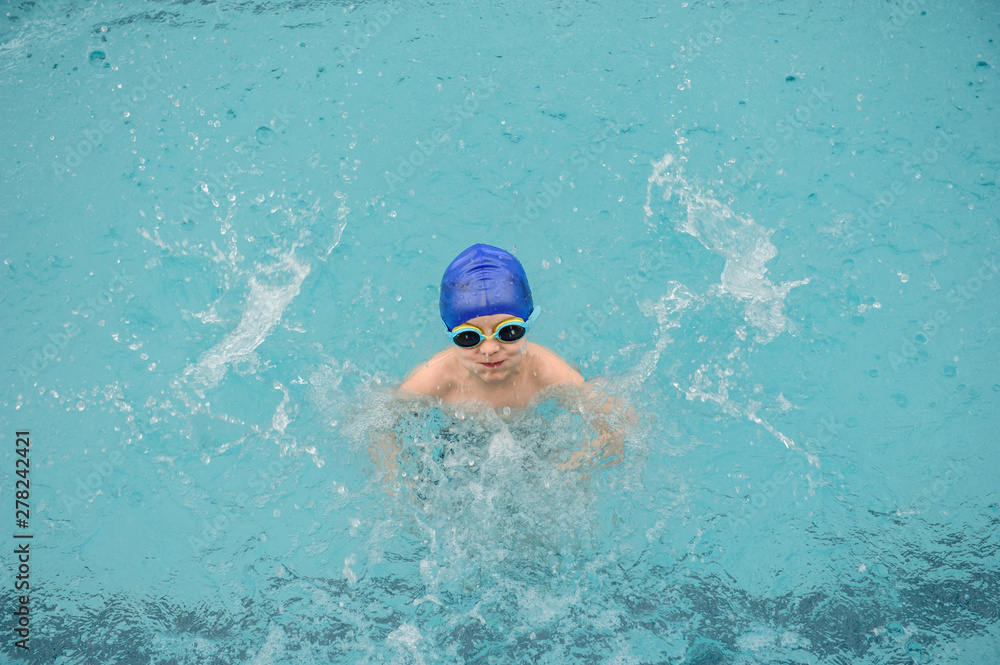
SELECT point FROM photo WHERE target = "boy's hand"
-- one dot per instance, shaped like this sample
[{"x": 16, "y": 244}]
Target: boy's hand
[{"x": 610, "y": 416}]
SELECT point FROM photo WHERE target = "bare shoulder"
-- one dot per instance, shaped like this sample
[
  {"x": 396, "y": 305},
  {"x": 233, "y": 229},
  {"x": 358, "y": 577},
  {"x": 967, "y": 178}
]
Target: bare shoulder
[
  {"x": 551, "y": 369},
  {"x": 434, "y": 377}
]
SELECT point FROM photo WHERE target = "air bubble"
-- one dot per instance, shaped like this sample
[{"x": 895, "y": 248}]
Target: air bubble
[{"x": 265, "y": 135}]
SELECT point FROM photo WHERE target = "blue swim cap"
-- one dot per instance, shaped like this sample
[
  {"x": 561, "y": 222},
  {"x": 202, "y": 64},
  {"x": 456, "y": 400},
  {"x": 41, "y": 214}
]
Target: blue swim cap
[{"x": 481, "y": 281}]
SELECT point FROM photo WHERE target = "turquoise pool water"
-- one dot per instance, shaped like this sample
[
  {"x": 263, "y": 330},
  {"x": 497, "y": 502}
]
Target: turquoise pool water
[{"x": 771, "y": 227}]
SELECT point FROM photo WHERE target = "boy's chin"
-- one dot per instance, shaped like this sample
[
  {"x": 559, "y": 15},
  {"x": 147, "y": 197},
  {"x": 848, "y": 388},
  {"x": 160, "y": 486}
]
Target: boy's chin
[{"x": 492, "y": 374}]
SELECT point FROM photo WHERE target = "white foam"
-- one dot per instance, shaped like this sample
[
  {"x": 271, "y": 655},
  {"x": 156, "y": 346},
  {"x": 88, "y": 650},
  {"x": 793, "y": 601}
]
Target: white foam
[
  {"x": 746, "y": 247},
  {"x": 407, "y": 637},
  {"x": 273, "y": 649},
  {"x": 265, "y": 304},
  {"x": 504, "y": 449},
  {"x": 46, "y": 26},
  {"x": 280, "y": 419},
  {"x": 668, "y": 313},
  {"x": 744, "y": 244}
]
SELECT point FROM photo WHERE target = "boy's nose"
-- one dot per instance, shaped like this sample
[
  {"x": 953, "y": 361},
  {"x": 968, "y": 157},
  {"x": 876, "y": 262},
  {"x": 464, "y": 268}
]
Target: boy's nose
[{"x": 490, "y": 346}]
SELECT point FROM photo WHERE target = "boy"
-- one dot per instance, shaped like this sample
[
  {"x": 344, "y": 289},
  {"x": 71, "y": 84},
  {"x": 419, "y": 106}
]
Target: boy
[{"x": 487, "y": 308}]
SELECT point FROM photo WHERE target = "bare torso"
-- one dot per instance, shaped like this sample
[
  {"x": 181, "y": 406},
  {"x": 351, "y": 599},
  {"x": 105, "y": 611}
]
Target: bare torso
[{"x": 444, "y": 377}]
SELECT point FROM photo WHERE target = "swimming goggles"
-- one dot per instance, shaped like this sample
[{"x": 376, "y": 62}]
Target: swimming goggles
[{"x": 507, "y": 331}]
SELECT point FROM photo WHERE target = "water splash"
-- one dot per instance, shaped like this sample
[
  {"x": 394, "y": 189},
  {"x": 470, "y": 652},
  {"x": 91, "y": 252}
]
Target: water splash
[
  {"x": 272, "y": 290},
  {"x": 668, "y": 311},
  {"x": 746, "y": 248},
  {"x": 744, "y": 244}
]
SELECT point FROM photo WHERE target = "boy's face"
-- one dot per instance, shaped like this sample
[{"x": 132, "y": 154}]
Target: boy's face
[{"x": 492, "y": 361}]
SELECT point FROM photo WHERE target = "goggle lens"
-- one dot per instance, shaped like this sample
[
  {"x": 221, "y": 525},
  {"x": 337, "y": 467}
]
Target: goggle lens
[
  {"x": 468, "y": 339},
  {"x": 511, "y": 332},
  {"x": 507, "y": 333}
]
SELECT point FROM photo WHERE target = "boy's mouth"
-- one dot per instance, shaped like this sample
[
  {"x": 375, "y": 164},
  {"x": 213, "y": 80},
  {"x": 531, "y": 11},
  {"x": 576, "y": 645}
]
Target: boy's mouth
[{"x": 492, "y": 365}]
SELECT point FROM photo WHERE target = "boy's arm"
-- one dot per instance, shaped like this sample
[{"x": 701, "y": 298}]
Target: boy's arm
[
  {"x": 414, "y": 383},
  {"x": 416, "y": 380},
  {"x": 431, "y": 378},
  {"x": 556, "y": 370},
  {"x": 384, "y": 448},
  {"x": 610, "y": 416},
  {"x": 599, "y": 409}
]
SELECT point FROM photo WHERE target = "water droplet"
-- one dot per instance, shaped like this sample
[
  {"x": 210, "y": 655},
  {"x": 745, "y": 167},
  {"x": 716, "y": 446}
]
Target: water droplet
[
  {"x": 265, "y": 135},
  {"x": 545, "y": 264},
  {"x": 506, "y": 411},
  {"x": 97, "y": 58},
  {"x": 949, "y": 370}
]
